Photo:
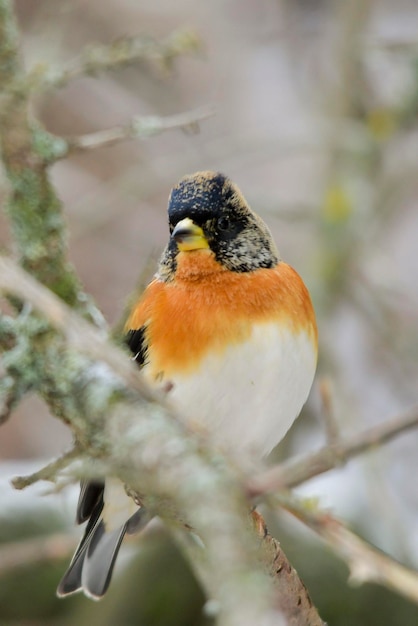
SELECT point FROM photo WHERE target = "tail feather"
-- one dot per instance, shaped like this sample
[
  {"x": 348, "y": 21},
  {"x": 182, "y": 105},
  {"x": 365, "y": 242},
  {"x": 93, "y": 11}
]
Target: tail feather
[
  {"x": 71, "y": 581},
  {"x": 92, "y": 565},
  {"x": 100, "y": 559}
]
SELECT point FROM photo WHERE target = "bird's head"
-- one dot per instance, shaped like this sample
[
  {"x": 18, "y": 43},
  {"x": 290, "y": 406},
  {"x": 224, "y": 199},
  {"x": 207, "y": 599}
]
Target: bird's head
[{"x": 208, "y": 213}]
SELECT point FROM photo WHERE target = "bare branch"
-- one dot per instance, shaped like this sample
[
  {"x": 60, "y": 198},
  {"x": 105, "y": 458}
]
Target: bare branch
[
  {"x": 296, "y": 471},
  {"x": 366, "y": 563},
  {"x": 97, "y": 58},
  {"x": 49, "y": 472},
  {"x": 330, "y": 420},
  {"x": 140, "y": 127}
]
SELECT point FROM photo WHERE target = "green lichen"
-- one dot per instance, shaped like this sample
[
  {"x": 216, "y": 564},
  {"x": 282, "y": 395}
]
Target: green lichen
[
  {"x": 8, "y": 37},
  {"x": 34, "y": 210},
  {"x": 49, "y": 147}
]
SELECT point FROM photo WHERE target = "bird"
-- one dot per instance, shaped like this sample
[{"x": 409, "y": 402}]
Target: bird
[{"x": 226, "y": 330}]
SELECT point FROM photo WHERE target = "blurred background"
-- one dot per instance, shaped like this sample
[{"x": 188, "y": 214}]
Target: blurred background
[{"x": 317, "y": 105}]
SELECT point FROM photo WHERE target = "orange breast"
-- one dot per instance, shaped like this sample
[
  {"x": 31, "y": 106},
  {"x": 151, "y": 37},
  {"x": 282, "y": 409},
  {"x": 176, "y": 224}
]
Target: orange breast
[{"x": 208, "y": 307}]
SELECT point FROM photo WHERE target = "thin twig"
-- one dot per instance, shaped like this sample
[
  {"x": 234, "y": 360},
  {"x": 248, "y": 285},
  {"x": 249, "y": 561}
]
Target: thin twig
[
  {"x": 331, "y": 425},
  {"x": 49, "y": 472},
  {"x": 296, "y": 471},
  {"x": 140, "y": 127},
  {"x": 366, "y": 563},
  {"x": 95, "y": 59}
]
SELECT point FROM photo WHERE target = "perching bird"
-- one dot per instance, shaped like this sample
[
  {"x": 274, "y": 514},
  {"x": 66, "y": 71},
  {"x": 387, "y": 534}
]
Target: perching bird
[{"x": 227, "y": 330}]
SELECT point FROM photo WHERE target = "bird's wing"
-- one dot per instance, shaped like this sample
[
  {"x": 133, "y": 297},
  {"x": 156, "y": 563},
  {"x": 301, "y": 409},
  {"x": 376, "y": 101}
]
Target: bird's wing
[{"x": 136, "y": 341}]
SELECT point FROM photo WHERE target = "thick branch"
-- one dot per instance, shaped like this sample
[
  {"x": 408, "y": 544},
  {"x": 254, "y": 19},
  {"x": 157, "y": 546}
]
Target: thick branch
[
  {"x": 294, "y": 598},
  {"x": 296, "y": 471},
  {"x": 80, "y": 335},
  {"x": 13, "y": 349},
  {"x": 10, "y": 394},
  {"x": 33, "y": 207}
]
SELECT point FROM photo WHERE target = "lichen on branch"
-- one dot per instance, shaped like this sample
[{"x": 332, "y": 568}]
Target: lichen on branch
[{"x": 33, "y": 207}]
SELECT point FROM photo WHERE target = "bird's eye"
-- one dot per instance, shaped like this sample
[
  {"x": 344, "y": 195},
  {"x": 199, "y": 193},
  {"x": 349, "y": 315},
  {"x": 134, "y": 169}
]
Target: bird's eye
[
  {"x": 224, "y": 223},
  {"x": 170, "y": 227}
]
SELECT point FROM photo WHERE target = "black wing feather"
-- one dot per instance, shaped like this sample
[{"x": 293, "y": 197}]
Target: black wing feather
[
  {"x": 91, "y": 493},
  {"x": 136, "y": 341}
]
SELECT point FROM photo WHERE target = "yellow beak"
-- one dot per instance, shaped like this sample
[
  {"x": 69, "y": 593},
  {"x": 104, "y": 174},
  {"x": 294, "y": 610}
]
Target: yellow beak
[{"x": 189, "y": 236}]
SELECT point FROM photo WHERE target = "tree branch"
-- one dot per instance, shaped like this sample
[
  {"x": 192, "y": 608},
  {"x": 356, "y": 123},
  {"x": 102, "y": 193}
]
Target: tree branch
[
  {"x": 293, "y": 596},
  {"x": 33, "y": 207},
  {"x": 49, "y": 472},
  {"x": 10, "y": 394},
  {"x": 139, "y": 127},
  {"x": 331, "y": 425},
  {"x": 80, "y": 335},
  {"x": 366, "y": 563},
  {"x": 95, "y": 59},
  {"x": 296, "y": 471},
  {"x": 13, "y": 349}
]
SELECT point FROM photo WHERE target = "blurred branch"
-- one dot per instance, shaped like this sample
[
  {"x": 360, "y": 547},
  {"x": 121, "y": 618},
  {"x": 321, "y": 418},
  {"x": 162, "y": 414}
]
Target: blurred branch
[
  {"x": 296, "y": 471},
  {"x": 366, "y": 563},
  {"x": 396, "y": 43},
  {"x": 329, "y": 418},
  {"x": 33, "y": 207},
  {"x": 353, "y": 20},
  {"x": 49, "y": 472},
  {"x": 35, "y": 550},
  {"x": 13, "y": 349},
  {"x": 391, "y": 306},
  {"x": 290, "y": 592},
  {"x": 95, "y": 59},
  {"x": 9, "y": 396},
  {"x": 140, "y": 127}
]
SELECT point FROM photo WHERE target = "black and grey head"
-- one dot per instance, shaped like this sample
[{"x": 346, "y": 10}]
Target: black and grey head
[{"x": 212, "y": 206}]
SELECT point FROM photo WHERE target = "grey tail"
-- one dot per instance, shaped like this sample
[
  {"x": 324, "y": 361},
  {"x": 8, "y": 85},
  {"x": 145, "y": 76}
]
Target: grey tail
[{"x": 92, "y": 565}]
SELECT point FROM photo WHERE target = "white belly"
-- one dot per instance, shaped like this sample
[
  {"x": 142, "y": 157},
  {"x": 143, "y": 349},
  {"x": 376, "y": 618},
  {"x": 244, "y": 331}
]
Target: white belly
[{"x": 249, "y": 398}]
